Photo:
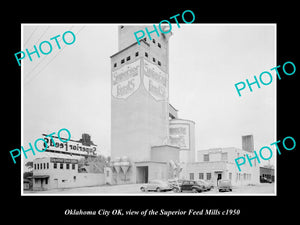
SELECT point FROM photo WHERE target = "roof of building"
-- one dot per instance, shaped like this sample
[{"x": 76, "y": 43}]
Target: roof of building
[
  {"x": 41, "y": 176},
  {"x": 142, "y": 40},
  {"x": 225, "y": 149}
]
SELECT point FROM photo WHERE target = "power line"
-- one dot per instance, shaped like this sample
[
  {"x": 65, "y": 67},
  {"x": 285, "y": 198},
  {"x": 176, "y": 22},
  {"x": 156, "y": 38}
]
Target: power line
[
  {"x": 52, "y": 58},
  {"x": 40, "y": 61},
  {"x": 30, "y": 35},
  {"x": 42, "y": 35}
]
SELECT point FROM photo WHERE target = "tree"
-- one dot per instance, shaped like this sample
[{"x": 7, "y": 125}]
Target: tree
[
  {"x": 29, "y": 165},
  {"x": 27, "y": 174},
  {"x": 95, "y": 164}
]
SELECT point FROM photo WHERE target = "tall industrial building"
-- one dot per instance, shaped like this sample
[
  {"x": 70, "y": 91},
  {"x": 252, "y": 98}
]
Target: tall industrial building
[
  {"x": 248, "y": 143},
  {"x": 146, "y": 134}
]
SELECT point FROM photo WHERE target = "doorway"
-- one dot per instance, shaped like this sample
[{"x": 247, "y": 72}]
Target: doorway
[
  {"x": 218, "y": 176},
  {"x": 141, "y": 174},
  {"x": 55, "y": 183}
]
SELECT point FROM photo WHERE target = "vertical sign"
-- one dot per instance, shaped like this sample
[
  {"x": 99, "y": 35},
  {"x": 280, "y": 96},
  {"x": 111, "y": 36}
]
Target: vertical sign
[
  {"x": 155, "y": 81},
  {"x": 180, "y": 135},
  {"x": 126, "y": 80}
]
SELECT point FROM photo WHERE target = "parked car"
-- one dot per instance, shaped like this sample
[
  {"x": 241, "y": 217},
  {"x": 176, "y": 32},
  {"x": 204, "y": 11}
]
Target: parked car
[
  {"x": 207, "y": 185},
  {"x": 191, "y": 185},
  {"x": 211, "y": 183},
  {"x": 156, "y": 185},
  {"x": 175, "y": 184},
  {"x": 265, "y": 180},
  {"x": 224, "y": 185}
]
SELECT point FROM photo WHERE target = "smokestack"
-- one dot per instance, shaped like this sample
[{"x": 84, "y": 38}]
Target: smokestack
[{"x": 248, "y": 143}]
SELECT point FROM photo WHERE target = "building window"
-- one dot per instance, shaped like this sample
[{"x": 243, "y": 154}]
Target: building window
[
  {"x": 46, "y": 181},
  {"x": 122, "y": 61},
  {"x": 224, "y": 156},
  {"x": 191, "y": 176},
  {"x": 159, "y": 63},
  {"x": 61, "y": 166},
  {"x": 208, "y": 176},
  {"x": 35, "y": 166},
  {"x": 68, "y": 166},
  {"x": 47, "y": 165},
  {"x": 146, "y": 54},
  {"x": 159, "y": 45},
  {"x": 201, "y": 176},
  {"x": 54, "y": 165},
  {"x": 44, "y": 165},
  {"x": 128, "y": 58},
  {"x": 115, "y": 64},
  {"x": 206, "y": 157},
  {"x": 136, "y": 54},
  {"x": 38, "y": 166},
  {"x": 153, "y": 59},
  {"x": 73, "y": 166}
]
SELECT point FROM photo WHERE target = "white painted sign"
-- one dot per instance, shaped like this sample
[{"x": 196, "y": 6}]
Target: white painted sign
[
  {"x": 70, "y": 147},
  {"x": 155, "y": 81},
  {"x": 126, "y": 80},
  {"x": 180, "y": 135}
]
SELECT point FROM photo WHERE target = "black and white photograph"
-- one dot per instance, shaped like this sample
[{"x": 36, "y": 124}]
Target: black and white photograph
[
  {"x": 149, "y": 109},
  {"x": 169, "y": 116}
]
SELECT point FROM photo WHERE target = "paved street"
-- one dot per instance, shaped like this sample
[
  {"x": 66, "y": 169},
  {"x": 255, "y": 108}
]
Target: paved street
[{"x": 135, "y": 189}]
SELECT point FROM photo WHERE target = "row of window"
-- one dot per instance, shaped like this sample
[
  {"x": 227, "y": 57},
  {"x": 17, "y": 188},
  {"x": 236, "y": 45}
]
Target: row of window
[
  {"x": 40, "y": 166},
  {"x": 239, "y": 176},
  {"x": 153, "y": 40},
  {"x": 201, "y": 176},
  {"x": 136, "y": 55},
  {"x": 244, "y": 176},
  {"x": 224, "y": 157},
  {"x": 61, "y": 166}
]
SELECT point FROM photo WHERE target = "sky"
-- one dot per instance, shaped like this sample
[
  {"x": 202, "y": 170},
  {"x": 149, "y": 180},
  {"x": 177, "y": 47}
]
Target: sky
[{"x": 70, "y": 87}]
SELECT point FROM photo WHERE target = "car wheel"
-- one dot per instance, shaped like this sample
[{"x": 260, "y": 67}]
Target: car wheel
[
  {"x": 143, "y": 189},
  {"x": 194, "y": 190},
  {"x": 158, "y": 189},
  {"x": 176, "y": 189}
]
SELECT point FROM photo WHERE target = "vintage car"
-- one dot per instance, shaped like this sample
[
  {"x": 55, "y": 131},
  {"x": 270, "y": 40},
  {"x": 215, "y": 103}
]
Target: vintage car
[
  {"x": 191, "y": 185},
  {"x": 224, "y": 185},
  {"x": 156, "y": 185},
  {"x": 207, "y": 185}
]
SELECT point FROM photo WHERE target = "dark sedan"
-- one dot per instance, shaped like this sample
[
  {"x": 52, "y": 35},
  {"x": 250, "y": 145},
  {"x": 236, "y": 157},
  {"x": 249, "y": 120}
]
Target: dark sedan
[{"x": 191, "y": 185}]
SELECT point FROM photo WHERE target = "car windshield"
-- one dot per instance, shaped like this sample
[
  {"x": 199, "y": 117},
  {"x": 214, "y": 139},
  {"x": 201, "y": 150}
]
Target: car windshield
[
  {"x": 202, "y": 182},
  {"x": 225, "y": 182}
]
